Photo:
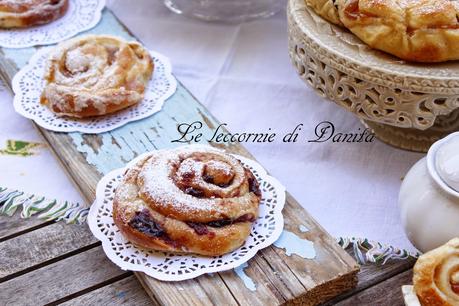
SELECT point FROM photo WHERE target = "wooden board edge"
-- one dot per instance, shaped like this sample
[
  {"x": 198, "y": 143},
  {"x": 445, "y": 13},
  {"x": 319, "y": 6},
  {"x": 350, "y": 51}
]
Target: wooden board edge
[
  {"x": 322, "y": 293},
  {"x": 141, "y": 278}
]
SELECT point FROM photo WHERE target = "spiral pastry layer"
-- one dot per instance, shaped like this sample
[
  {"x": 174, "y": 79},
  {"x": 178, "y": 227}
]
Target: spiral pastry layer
[
  {"x": 96, "y": 75},
  {"x": 436, "y": 275},
  {"x": 27, "y": 13},
  {"x": 192, "y": 199}
]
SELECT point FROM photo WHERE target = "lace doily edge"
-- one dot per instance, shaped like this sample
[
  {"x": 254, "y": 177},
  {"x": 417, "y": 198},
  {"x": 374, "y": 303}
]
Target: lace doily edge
[
  {"x": 18, "y": 96},
  {"x": 139, "y": 268},
  {"x": 98, "y": 16}
]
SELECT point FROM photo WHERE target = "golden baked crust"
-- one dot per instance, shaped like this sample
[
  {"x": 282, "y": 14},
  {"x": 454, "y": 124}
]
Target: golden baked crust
[
  {"x": 327, "y": 9},
  {"x": 413, "y": 30},
  {"x": 28, "y": 13},
  {"x": 436, "y": 276},
  {"x": 96, "y": 75},
  {"x": 191, "y": 199}
]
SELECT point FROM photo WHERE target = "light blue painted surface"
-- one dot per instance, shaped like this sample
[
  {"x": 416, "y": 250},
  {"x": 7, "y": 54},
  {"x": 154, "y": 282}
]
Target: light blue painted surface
[
  {"x": 303, "y": 228},
  {"x": 248, "y": 282},
  {"x": 156, "y": 132},
  {"x": 295, "y": 245}
]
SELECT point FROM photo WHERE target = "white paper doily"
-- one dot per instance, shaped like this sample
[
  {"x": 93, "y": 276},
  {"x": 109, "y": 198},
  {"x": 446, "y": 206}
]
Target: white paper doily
[
  {"x": 28, "y": 85},
  {"x": 175, "y": 267},
  {"x": 81, "y": 15}
]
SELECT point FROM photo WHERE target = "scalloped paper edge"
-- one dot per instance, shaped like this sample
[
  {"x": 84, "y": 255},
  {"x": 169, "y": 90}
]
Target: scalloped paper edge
[
  {"x": 97, "y": 17},
  {"x": 139, "y": 268},
  {"x": 31, "y": 65}
]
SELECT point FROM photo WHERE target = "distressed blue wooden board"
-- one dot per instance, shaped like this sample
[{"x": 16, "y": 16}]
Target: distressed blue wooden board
[
  {"x": 155, "y": 132},
  {"x": 138, "y": 137},
  {"x": 277, "y": 277}
]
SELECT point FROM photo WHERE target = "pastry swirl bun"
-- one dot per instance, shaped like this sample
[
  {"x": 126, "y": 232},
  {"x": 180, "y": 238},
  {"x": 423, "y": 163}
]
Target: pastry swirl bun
[
  {"x": 192, "y": 199},
  {"x": 96, "y": 75},
  {"x": 28, "y": 13},
  {"x": 436, "y": 276}
]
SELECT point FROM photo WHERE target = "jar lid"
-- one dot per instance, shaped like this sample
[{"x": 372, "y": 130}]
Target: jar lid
[{"x": 443, "y": 163}]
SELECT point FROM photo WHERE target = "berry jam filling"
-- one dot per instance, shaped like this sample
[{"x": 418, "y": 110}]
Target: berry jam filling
[
  {"x": 199, "y": 228},
  {"x": 254, "y": 186},
  {"x": 211, "y": 180},
  {"x": 202, "y": 228},
  {"x": 218, "y": 173},
  {"x": 197, "y": 193},
  {"x": 454, "y": 281},
  {"x": 188, "y": 176},
  {"x": 455, "y": 288},
  {"x": 143, "y": 222}
]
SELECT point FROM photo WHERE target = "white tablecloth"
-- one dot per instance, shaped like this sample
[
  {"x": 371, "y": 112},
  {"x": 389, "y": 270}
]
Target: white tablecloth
[
  {"x": 37, "y": 172},
  {"x": 243, "y": 74}
]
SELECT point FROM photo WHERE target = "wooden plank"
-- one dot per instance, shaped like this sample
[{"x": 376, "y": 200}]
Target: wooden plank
[
  {"x": 279, "y": 278},
  {"x": 127, "y": 292},
  {"x": 205, "y": 290},
  {"x": 19, "y": 254},
  {"x": 387, "y": 293},
  {"x": 368, "y": 276},
  {"x": 61, "y": 280},
  {"x": 15, "y": 225},
  {"x": 371, "y": 275}
]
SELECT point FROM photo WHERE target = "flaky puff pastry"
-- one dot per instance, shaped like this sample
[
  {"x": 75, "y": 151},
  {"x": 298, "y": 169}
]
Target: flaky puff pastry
[
  {"x": 436, "y": 276},
  {"x": 413, "y": 30},
  {"x": 28, "y": 13},
  {"x": 327, "y": 9},
  {"x": 96, "y": 75},
  {"x": 187, "y": 200}
]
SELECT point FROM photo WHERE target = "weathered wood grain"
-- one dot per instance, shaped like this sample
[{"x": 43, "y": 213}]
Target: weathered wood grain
[
  {"x": 45, "y": 244},
  {"x": 371, "y": 275},
  {"x": 279, "y": 278},
  {"x": 126, "y": 292},
  {"x": 205, "y": 290},
  {"x": 61, "y": 280},
  {"x": 15, "y": 225},
  {"x": 387, "y": 293}
]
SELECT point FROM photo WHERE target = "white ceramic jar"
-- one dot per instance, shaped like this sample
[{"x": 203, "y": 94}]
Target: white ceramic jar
[{"x": 429, "y": 196}]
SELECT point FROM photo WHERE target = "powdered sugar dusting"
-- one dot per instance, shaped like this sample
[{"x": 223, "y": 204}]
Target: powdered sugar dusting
[
  {"x": 219, "y": 167},
  {"x": 188, "y": 166},
  {"x": 164, "y": 169},
  {"x": 31, "y": 8},
  {"x": 28, "y": 86},
  {"x": 77, "y": 62},
  {"x": 80, "y": 16},
  {"x": 168, "y": 266},
  {"x": 96, "y": 72}
]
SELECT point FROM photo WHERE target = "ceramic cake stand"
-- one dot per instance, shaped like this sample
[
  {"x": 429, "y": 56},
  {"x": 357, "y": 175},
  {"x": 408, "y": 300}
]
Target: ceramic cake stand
[{"x": 407, "y": 105}]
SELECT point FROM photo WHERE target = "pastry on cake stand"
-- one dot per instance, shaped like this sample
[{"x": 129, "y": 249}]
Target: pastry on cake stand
[{"x": 408, "y": 105}]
